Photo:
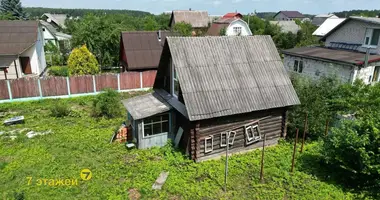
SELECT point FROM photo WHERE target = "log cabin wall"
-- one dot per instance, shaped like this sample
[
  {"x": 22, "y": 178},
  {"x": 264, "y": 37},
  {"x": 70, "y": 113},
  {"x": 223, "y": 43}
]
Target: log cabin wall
[{"x": 270, "y": 122}]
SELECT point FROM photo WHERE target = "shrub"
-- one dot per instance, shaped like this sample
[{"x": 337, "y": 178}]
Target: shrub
[
  {"x": 82, "y": 61},
  {"x": 60, "y": 109},
  {"x": 107, "y": 104},
  {"x": 58, "y": 71}
]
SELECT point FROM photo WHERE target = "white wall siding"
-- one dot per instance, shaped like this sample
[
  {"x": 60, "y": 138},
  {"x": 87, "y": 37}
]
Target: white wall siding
[
  {"x": 352, "y": 32},
  {"x": 245, "y": 31},
  {"x": 316, "y": 69},
  {"x": 366, "y": 74},
  {"x": 12, "y": 71}
]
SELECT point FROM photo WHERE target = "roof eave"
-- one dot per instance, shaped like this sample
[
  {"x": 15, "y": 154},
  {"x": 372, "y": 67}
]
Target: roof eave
[{"x": 321, "y": 59}]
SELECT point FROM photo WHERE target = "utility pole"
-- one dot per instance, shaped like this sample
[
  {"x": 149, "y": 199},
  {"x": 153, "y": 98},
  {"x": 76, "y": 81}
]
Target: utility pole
[
  {"x": 226, "y": 166},
  {"x": 304, "y": 133},
  {"x": 294, "y": 151},
  {"x": 262, "y": 161}
]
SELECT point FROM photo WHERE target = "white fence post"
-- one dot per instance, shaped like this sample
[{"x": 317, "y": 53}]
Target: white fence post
[
  {"x": 39, "y": 87},
  {"x": 118, "y": 82},
  {"x": 94, "y": 83},
  {"x": 9, "y": 90},
  {"x": 68, "y": 86},
  {"x": 141, "y": 80}
]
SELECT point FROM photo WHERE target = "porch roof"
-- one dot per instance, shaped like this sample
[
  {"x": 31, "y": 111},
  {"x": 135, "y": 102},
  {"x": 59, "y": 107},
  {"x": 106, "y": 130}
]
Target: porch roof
[{"x": 146, "y": 105}]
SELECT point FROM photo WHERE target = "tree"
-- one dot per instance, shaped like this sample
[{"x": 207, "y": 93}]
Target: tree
[
  {"x": 13, "y": 8},
  {"x": 184, "y": 29},
  {"x": 82, "y": 61},
  {"x": 223, "y": 32}
]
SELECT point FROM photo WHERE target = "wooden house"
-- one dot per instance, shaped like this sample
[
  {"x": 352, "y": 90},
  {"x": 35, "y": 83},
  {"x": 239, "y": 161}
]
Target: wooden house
[{"x": 209, "y": 87}]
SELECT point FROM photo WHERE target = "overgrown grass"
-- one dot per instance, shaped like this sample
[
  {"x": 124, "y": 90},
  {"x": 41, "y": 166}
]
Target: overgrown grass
[{"x": 79, "y": 141}]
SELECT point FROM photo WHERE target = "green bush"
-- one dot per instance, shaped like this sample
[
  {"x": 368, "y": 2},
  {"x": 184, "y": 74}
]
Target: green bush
[
  {"x": 60, "y": 109},
  {"x": 184, "y": 29},
  {"x": 58, "y": 71},
  {"x": 81, "y": 62},
  {"x": 107, "y": 104}
]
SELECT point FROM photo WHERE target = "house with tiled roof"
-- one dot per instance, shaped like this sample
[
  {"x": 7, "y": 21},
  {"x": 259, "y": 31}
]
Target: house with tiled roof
[
  {"x": 289, "y": 16},
  {"x": 21, "y": 49},
  {"x": 351, "y": 51},
  {"x": 230, "y": 24}
]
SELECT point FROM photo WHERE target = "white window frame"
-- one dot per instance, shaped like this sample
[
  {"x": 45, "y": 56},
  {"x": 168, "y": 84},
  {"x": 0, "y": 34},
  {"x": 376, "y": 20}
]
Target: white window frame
[
  {"x": 253, "y": 138},
  {"x": 237, "y": 30},
  {"x": 298, "y": 66},
  {"x": 378, "y": 74},
  {"x": 369, "y": 35},
  {"x": 152, "y": 123},
  {"x": 212, "y": 144},
  {"x": 225, "y": 135},
  {"x": 173, "y": 79}
]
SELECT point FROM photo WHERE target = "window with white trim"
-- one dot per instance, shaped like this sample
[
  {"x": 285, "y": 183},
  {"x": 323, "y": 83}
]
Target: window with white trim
[
  {"x": 376, "y": 74},
  {"x": 237, "y": 30},
  {"x": 372, "y": 37},
  {"x": 209, "y": 144},
  {"x": 174, "y": 87},
  {"x": 223, "y": 138},
  {"x": 298, "y": 66},
  {"x": 252, "y": 134},
  {"x": 156, "y": 125}
]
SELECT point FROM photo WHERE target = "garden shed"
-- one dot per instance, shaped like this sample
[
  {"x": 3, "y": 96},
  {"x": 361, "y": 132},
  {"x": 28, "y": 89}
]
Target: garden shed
[{"x": 207, "y": 88}]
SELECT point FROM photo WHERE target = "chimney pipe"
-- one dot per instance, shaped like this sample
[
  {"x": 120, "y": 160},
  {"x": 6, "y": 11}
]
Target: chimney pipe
[{"x": 159, "y": 35}]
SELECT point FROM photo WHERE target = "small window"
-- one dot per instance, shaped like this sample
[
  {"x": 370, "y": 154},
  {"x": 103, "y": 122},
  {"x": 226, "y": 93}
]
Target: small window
[
  {"x": 223, "y": 138},
  {"x": 375, "y": 37},
  {"x": 372, "y": 37},
  {"x": 298, "y": 66},
  {"x": 237, "y": 30},
  {"x": 252, "y": 134},
  {"x": 209, "y": 144},
  {"x": 43, "y": 29},
  {"x": 376, "y": 74},
  {"x": 176, "y": 83},
  {"x": 156, "y": 125}
]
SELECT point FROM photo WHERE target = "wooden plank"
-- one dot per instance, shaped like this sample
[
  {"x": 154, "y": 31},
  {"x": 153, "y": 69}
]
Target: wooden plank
[
  {"x": 81, "y": 84},
  {"x": 129, "y": 80},
  {"x": 148, "y": 78},
  {"x": 104, "y": 81},
  {"x": 54, "y": 86},
  {"x": 24, "y": 87},
  {"x": 3, "y": 90}
]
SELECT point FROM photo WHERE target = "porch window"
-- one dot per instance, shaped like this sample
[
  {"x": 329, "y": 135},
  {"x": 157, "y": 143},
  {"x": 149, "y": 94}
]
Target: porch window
[
  {"x": 376, "y": 74},
  {"x": 252, "y": 134},
  {"x": 156, "y": 125},
  {"x": 372, "y": 37},
  {"x": 298, "y": 66}
]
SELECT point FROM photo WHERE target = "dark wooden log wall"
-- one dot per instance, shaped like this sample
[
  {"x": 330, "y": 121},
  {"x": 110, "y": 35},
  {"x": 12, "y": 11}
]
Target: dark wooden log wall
[
  {"x": 271, "y": 124},
  {"x": 54, "y": 86},
  {"x": 3, "y": 90}
]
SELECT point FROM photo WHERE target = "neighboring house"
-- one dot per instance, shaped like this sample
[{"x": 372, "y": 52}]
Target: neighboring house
[
  {"x": 344, "y": 53},
  {"x": 209, "y": 87},
  {"x": 289, "y": 16},
  {"x": 61, "y": 40},
  {"x": 234, "y": 15},
  {"x": 327, "y": 26},
  {"x": 199, "y": 20},
  {"x": 287, "y": 26},
  {"x": 21, "y": 49},
  {"x": 319, "y": 19},
  {"x": 229, "y": 27},
  {"x": 141, "y": 50},
  {"x": 57, "y": 20}
]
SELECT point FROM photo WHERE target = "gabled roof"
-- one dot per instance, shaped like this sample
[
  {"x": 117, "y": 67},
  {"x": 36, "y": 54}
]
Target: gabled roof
[
  {"x": 291, "y": 14},
  {"x": 58, "y": 19},
  {"x": 142, "y": 48},
  {"x": 327, "y": 26},
  {"x": 232, "y": 15},
  {"x": 222, "y": 76},
  {"x": 287, "y": 26},
  {"x": 331, "y": 55},
  {"x": 197, "y": 19},
  {"x": 371, "y": 20},
  {"x": 17, "y": 36},
  {"x": 224, "y": 23},
  {"x": 50, "y": 27}
]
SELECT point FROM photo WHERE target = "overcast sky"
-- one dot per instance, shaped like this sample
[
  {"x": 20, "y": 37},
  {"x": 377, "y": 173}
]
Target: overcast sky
[{"x": 214, "y": 7}]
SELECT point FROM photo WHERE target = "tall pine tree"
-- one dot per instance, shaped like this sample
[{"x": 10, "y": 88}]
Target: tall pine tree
[{"x": 12, "y": 8}]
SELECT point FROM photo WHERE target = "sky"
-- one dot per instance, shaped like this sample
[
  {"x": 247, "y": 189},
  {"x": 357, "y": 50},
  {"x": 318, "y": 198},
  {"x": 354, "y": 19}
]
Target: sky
[{"x": 214, "y": 7}]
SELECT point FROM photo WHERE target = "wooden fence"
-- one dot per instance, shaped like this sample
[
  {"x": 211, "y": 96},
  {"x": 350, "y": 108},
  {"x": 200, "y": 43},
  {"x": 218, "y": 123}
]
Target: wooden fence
[{"x": 31, "y": 88}]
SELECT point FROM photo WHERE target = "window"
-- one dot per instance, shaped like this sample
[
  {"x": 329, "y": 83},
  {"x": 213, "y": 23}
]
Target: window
[
  {"x": 237, "y": 30},
  {"x": 223, "y": 138},
  {"x": 156, "y": 125},
  {"x": 174, "y": 86},
  {"x": 376, "y": 74},
  {"x": 209, "y": 144},
  {"x": 298, "y": 66},
  {"x": 252, "y": 134},
  {"x": 372, "y": 37},
  {"x": 43, "y": 29},
  {"x": 176, "y": 83}
]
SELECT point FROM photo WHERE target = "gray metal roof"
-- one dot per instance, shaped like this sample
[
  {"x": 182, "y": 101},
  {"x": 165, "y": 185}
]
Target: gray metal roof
[
  {"x": 221, "y": 76},
  {"x": 145, "y": 106}
]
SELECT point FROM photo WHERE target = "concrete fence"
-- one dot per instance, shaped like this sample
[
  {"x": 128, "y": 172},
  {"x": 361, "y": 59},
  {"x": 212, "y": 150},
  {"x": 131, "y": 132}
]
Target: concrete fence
[{"x": 60, "y": 87}]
